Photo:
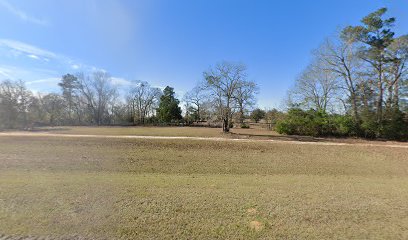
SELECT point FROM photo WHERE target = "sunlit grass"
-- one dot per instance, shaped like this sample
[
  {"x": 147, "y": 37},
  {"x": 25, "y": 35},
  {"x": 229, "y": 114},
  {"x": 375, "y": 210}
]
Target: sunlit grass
[{"x": 128, "y": 188}]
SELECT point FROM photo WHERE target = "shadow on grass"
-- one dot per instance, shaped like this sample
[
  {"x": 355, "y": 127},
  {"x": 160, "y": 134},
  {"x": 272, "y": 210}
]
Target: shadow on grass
[
  {"x": 279, "y": 137},
  {"x": 49, "y": 129},
  {"x": 305, "y": 138}
]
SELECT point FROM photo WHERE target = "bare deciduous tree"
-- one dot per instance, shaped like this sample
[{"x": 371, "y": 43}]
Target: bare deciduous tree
[
  {"x": 245, "y": 98},
  {"x": 315, "y": 87},
  {"x": 225, "y": 81},
  {"x": 54, "y": 105},
  {"x": 397, "y": 72},
  {"x": 341, "y": 58},
  {"x": 195, "y": 101},
  {"x": 15, "y": 103},
  {"x": 98, "y": 93},
  {"x": 142, "y": 100}
]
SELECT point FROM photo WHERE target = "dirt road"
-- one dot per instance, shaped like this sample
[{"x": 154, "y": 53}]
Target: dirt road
[{"x": 42, "y": 134}]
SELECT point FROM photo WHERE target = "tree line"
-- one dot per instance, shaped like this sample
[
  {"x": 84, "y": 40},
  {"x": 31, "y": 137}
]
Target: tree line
[
  {"x": 355, "y": 85},
  {"x": 86, "y": 100},
  {"x": 93, "y": 99}
]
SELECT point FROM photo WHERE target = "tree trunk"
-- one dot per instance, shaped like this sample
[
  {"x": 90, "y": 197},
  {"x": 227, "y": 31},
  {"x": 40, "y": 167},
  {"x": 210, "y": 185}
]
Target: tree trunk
[
  {"x": 380, "y": 102},
  {"x": 395, "y": 99},
  {"x": 396, "y": 95},
  {"x": 355, "y": 108},
  {"x": 198, "y": 113},
  {"x": 352, "y": 90},
  {"x": 225, "y": 125},
  {"x": 241, "y": 117}
]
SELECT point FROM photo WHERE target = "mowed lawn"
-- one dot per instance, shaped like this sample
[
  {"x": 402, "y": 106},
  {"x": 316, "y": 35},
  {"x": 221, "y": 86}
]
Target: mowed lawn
[
  {"x": 139, "y": 131},
  {"x": 196, "y": 189},
  {"x": 157, "y": 131}
]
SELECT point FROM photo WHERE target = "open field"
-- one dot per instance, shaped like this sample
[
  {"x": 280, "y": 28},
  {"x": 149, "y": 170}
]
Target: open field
[
  {"x": 255, "y": 132},
  {"x": 181, "y": 189},
  {"x": 140, "y": 131},
  {"x": 158, "y": 131}
]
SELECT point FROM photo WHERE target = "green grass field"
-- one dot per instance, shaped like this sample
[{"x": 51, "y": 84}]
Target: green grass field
[{"x": 113, "y": 188}]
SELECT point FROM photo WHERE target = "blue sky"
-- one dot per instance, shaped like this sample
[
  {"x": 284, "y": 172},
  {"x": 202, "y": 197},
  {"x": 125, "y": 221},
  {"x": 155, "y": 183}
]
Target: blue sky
[{"x": 171, "y": 42}]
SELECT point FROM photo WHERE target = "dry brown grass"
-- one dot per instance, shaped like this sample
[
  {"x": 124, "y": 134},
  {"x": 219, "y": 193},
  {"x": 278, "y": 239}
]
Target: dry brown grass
[
  {"x": 140, "y": 131},
  {"x": 203, "y": 157},
  {"x": 255, "y": 133},
  {"x": 256, "y": 226},
  {"x": 181, "y": 189}
]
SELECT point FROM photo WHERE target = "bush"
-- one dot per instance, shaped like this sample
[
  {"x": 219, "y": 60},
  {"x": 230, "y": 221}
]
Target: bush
[
  {"x": 344, "y": 125},
  {"x": 257, "y": 114},
  {"x": 369, "y": 125},
  {"x": 299, "y": 122},
  {"x": 394, "y": 125},
  {"x": 318, "y": 123}
]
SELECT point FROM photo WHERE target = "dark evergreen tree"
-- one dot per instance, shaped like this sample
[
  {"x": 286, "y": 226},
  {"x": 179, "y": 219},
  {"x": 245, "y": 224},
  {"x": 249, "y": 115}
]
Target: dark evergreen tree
[
  {"x": 169, "y": 109},
  {"x": 69, "y": 85}
]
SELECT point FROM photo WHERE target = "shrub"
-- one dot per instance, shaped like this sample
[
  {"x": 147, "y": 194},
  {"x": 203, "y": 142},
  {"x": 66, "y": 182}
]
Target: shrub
[
  {"x": 344, "y": 125},
  {"x": 299, "y": 122},
  {"x": 319, "y": 123},
  {"x": 316, "y": 123},
  {"x": 394, "y": 126},
  {"x": 369, "y": 125},
  {"x": 257, "y": 114}
]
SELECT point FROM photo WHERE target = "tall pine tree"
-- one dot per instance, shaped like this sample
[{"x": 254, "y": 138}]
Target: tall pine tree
[{"x": 169, "y": 109}]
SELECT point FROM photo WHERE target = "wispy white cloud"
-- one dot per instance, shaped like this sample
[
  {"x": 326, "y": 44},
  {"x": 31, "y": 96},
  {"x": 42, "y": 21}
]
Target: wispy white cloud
[
  {"x": 19, "y": 48},
  {"x": 33, "y": 56},
  {"x": 37, "y": 80},
  {"x": 21, "y": 14},
  {"x": 44, "y": 85},
  {"x": 44, "y": 74},
  {"x": 52, "y": 80},
  {"x": 5, "y": 73},
  {"x": 121, "y": 81},
  {"x": 16, "y": 72}
]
